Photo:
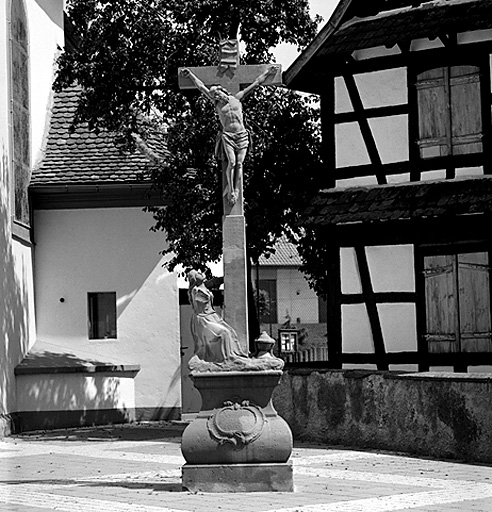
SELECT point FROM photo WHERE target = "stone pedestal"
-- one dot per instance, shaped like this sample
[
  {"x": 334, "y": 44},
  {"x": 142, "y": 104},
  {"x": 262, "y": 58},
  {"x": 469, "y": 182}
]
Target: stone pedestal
[
  {"x": 238, "y": 477},
  {"x": 237, "y": 442}
]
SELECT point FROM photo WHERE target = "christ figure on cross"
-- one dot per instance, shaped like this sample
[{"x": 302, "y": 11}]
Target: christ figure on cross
[{"x": 232, "y": 143}]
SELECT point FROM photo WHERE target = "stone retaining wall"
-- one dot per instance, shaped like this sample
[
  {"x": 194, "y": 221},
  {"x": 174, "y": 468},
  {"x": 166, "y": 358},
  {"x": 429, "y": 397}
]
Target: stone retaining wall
[{"x": 444, "y": 415}]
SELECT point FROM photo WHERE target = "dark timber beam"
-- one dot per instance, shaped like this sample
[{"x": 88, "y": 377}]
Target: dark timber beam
[
  {"x": 365, "y": 128},
  {"x": 372, "y": 309},
  {"x": 449, "y": 40},
  {"x": 334, "y": 307},
  {"x": 404, "y": 47}
]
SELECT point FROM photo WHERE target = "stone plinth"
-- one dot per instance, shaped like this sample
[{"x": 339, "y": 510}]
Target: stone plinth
[
  {"x": 238, "y": 477},
  {"x": 237, "y": 441}
]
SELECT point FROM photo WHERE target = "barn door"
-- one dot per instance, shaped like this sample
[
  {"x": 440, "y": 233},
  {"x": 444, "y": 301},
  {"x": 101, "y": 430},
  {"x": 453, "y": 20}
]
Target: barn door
[{"x": 457, "y": 301}]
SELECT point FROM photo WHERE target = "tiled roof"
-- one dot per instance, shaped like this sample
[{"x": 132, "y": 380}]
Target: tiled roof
[
  {"x": 83, "y": 156},
  {"x": 428, "y": 20},
  {"x": 366, "y": 24},
  {"x": 403, "y": 201},
  {"x": 285, "y": 255}
]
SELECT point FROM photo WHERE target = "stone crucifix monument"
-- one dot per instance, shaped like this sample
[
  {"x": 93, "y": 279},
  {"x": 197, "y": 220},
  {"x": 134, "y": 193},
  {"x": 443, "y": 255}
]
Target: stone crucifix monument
[
  {"x": 237, "y": 442},
  {"x": 226, "y": 85}
]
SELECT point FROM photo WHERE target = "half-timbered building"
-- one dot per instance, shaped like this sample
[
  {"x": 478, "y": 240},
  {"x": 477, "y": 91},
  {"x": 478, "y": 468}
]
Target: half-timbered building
[{"x": 405, "y": 95}]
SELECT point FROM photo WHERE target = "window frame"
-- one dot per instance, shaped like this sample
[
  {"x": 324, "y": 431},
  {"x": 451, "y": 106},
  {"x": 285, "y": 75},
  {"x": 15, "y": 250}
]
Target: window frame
[
  {"x": 451, "y": 249},
  {"x": 272, "y": 317},
  {"x": 93, "y": 314},
  {"x": 21, "y": 227},
  {"x": 482, "y": 61}
]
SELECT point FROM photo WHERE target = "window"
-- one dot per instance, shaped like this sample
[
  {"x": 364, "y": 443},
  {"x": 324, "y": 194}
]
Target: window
[
  {"x": 20, "y": 115},
  {"x": 449, "y": 111},
  {"x": 267, "y": 303},
  {"x": 322, "y": 310},
  {"x": 288, "y": 340},
  {"x": 457, "y": 302},
  {"x": 102, "y": 315}
]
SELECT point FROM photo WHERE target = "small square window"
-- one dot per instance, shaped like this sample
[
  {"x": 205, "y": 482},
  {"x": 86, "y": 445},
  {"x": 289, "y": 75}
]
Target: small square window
[
  {"x": 102, "y": 315},
  {"x": 288, "y": 340}
]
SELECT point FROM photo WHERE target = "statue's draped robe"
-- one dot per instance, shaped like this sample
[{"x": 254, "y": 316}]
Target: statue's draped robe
[{"x": 215, "y": 340}]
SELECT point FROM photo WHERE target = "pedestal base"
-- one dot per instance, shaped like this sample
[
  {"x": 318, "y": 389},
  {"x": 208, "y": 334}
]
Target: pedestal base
[{"x": 238, "y": 477}]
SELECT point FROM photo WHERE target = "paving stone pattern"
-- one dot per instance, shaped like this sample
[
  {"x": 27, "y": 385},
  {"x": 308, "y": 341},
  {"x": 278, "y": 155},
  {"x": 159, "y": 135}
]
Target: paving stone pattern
[{"x": 138, "y": 469}]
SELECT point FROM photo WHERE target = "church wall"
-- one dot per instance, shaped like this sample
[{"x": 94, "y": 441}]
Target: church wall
[
  {"x": 17, "y": 319},
  {"x": 5, "y": 241},
  {"x": 46, "y": 34},
  {"x": 111, "y": 250}
]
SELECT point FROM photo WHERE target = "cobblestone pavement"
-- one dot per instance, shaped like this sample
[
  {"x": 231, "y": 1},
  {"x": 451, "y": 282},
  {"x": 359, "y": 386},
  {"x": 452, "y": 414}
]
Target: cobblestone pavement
[{"x": 137, "y": 468}]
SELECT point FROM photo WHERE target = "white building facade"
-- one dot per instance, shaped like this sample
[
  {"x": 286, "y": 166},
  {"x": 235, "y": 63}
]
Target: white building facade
[{"x": 89, "y": 316}]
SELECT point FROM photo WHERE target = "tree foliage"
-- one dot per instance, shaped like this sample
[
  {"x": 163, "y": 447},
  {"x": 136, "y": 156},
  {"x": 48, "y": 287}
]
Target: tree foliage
[{"x": 126, "y": 61}]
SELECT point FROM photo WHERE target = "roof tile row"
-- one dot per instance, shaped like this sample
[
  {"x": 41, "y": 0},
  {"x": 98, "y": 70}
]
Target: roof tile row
[
  {"x": 79, "y": 155},
  {"x": 402, "y": 201}
]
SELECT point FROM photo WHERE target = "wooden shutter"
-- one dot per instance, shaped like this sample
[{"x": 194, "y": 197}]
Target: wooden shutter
[
  {"x": 441, "y": 303},
  {"x": 474, "y": 301},
  {"x": 466, "y": 110},
  {"x": 449, "y": 111},
  {"x": 433, "y": 113},
  {"x": 457, "y": 299}
]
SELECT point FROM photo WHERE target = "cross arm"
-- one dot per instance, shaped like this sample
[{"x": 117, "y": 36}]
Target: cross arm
[{"x": 242, "y": 77}]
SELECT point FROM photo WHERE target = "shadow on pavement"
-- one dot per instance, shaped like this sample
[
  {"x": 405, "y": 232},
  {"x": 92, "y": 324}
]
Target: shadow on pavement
[{"x": 152, "y": 431}]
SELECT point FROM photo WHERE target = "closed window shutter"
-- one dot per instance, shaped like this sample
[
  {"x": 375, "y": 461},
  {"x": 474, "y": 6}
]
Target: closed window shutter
[
  {"x": 474, "y": 300},
  {"x": 466, "y": 113},
  {"x": 457, "y": 301},
  {"x": 449, "y": 111},
  {"x": 440, "y": 303},
  {"x": 433, "y": 113}
]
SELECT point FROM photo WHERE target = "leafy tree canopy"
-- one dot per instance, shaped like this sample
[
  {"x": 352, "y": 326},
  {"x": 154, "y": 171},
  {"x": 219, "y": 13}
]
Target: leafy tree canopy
[{"x": 126, "y": 61}]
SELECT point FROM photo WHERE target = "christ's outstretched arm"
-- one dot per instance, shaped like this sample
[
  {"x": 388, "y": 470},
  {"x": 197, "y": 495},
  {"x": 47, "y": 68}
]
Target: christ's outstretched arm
[
  {"x": 198, "y": 83},
  {"x": 270, "y": 71}
]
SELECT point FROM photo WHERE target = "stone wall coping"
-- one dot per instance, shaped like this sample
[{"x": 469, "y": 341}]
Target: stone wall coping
[
  {"x": 397, "y": 375},
  {"x": 442, "y": 376},
  {"x": 22, "y": 369},
  {"x": 230, "y": 373}
]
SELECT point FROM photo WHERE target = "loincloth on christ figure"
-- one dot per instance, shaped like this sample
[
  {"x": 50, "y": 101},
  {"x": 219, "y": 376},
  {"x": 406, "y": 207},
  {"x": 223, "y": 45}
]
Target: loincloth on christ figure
[{"x": 236, "y": 141}]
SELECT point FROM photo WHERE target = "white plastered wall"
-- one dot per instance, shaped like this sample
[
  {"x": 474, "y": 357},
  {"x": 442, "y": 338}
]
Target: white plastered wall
[
  {"x": 392, "y": 270},
  {"x": 17, "y": 319},
  {"x": 385, "y": 88},
  {"x": 376, "y": 89},
  {"x": 110, "y": 250},
  {"x": 75, "y": 392},
  {"x": 295, "y": 298},
  {"x": 46, "y": 37}
]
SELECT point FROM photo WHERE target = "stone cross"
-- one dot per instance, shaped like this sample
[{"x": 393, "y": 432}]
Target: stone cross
[{"x": 235, "y": 78}]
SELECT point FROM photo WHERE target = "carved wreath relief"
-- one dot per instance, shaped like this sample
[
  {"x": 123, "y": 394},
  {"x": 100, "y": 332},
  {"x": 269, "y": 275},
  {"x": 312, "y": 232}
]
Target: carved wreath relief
[{"x": 237, "y": 423}]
